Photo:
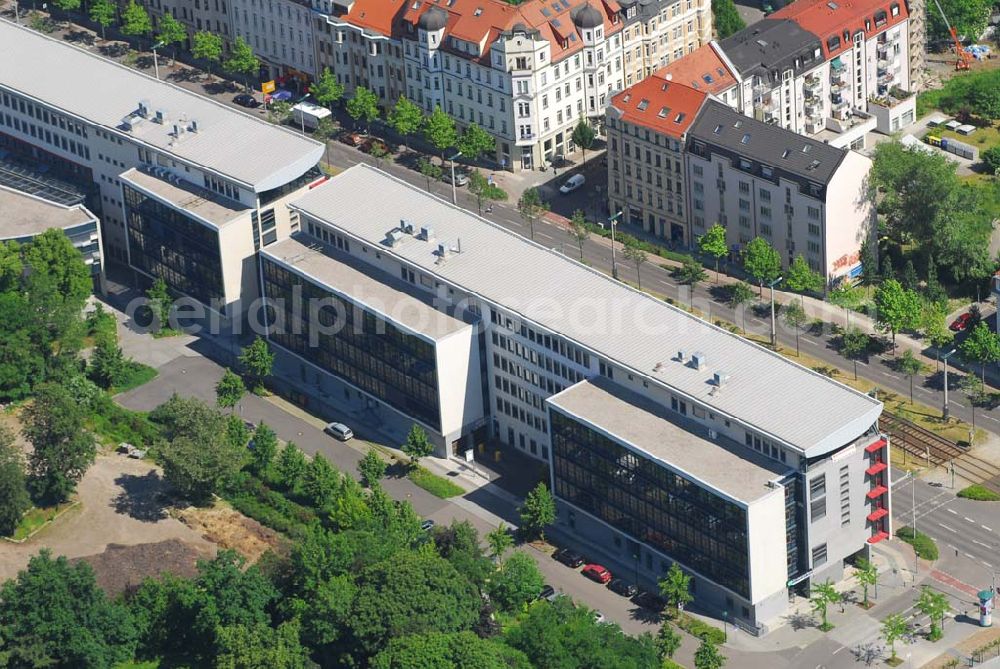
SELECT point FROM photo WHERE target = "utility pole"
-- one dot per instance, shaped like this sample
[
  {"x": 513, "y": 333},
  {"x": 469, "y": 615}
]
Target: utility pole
[
  {"x": 774, "y": 330},
  {"x": 156, "y": 64},
  {"x": 454, "y": 188},
  {"x": 614, "y": 263}
]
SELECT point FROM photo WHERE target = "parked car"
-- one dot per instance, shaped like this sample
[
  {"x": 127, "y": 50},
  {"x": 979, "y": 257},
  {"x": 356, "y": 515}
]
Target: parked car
[
  {"x": 962, "y": 322},
  {"x": 354, "y": 139},
  {"x": 547, "y": 592},
  {"x": 246, "y": 100},
  {"x": 571, "y": 184},
  {"x": 461, "y": 177},
  {"x": 596, "y": 572},
  {"x": 569, "y": 558},
  {"x": 339, "y": 431},
  {"x": 648, "y": 600},
  {"x": 622, "y": 587},
  {"x": 427, "y": 525}
]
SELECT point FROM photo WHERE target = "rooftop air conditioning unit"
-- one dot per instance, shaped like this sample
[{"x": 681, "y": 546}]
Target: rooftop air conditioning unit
[
  {"x": 720, "y": 379},
  {"x": 427, "y": 233},
  {"x": 698, "y": 360},
  {"x": 406, "y": 226},
  {"x": 161, "y": 116}
]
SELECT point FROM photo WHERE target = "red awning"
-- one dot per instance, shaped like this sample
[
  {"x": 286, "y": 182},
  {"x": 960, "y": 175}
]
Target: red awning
[
  {"x": 876, "y": 468},
  {"x": 877, "y": 492},
  {"x": 878, "y": 537},
  {"x": 875, "y": 446},
  {"x": 878, "y": 513}
]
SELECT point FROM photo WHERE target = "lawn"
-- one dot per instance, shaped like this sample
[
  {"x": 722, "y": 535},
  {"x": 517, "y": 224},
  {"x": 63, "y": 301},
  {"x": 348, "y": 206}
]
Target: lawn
[
  {"x": 434, "y": 484},
  {"x": 978, "y": 493},
  {"x": 924, "y": 546},
  {"x": 137, "y": 375},
  {"x": 36, "y": 518}
]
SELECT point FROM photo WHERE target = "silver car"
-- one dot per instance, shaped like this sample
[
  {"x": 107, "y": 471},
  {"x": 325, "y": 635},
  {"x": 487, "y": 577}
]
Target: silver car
[{"x": 339, "y": 431}]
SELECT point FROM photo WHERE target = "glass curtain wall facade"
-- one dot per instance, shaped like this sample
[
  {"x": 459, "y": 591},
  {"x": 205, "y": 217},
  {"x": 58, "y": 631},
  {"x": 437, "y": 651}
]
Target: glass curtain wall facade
[
  {"x": 650, "y": 503},
  {"x": 165, "y": 243},
  {"x": 397, "y": 367}
]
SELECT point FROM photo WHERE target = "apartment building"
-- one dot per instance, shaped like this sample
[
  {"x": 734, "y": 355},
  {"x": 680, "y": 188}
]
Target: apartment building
[
  {"x": 659, "y": 443},
  {"x": 803, "y": 196},
  {"x": 196, "y": 15},
  {"x": 647, "y": 126},
  {"x": 280, "y": 32},
  {"x": 815, "y": 67},
  {"x": 171, "y": 167},
  {"x": 525, "y": 73}
]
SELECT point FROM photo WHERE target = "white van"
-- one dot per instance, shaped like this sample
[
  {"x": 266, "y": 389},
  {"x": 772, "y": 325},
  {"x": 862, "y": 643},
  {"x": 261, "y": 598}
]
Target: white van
[
  {"x": 339, "y": 431},
  {"x": 309, "y": 115}
]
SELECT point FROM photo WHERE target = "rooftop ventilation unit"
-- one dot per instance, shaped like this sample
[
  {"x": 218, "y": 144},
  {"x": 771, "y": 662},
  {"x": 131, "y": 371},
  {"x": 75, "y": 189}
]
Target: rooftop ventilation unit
[
  {"x": 406, "y": 226},
  {"x": 427, "y": 233},
  {"x": 682, "y": 355},
  {"x": 161, "y": 116},
  {"x": 394, "y": 237},
  {"x": 178, "y": 131},
  {"x": 443, "y": 250},
  {"x": 143, "y": 109},
  {"x": 720, "y": 379},
  {"x": 698, "y": 360},
  {"x": 193, "y": 126}
]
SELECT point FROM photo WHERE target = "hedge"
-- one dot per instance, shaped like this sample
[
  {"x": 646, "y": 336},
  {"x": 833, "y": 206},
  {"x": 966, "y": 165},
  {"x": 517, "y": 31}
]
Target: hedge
[
  {"x": 697, "y": 628},
  {"x": 922, "y": 544},
  {"x": 979, "y": 493}
]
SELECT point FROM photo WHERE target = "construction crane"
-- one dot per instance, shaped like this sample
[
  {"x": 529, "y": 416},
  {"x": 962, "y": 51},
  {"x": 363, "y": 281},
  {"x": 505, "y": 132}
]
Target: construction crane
[{"x": 963, "y": 62}]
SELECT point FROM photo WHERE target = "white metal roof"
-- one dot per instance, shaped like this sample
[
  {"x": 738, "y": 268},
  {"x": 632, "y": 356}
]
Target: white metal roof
[
  {"x": 26, "y": 215},
  {"x": 85, "y": 85},
  {"x": 804, "y": 409}
]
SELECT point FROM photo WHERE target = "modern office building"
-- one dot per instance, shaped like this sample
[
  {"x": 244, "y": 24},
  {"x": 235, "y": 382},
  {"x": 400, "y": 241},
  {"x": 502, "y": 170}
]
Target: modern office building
[
  {"x": 526, "y": 73},
  {"x": 184, "y": 182},
  {"x": 668, "y": 439},
  {"x": 28, "y": 214}
]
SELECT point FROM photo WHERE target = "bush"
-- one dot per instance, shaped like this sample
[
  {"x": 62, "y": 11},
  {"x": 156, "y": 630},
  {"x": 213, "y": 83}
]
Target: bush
[
  {"x": 703, "y": 631},
  {"x": 922, "y": 544},
  {"x": 434, "y": 484},
  {"x": 979, "y": 493},
  {"x": 251, "y": 497},
  {"x": 667, "y": 663},
  {"x": 115, "y": 424}
]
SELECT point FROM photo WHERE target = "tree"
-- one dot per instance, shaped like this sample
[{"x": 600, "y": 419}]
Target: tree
[
  {"x": 457, "y": 649},
  {"x": 54, "y": 615},
  {"x": 103, "y": 13},
  {"x": 713, "y": 243},
  {"x": 633, "y": 252},
  {"x": 708, "y": 656},
  {"x": 206, "y": 46},
  {"x": 198, "y": 469},
  {"x": 439, "y": 130},
  {"x": 229, "y": 390},
  {"x": 405, "y": 117},
  {"x": 801, "y": 278},
  {"x": 934, "y": 290},
  {"x": 261, "y": 647},
  {"x": 897, "y": 308},
  {"x": 969, "y": 18},
  {"x": 537, "y": 512},
  {"x": 762, "y": 262},
  {"x": 107, "y": 363},
  {"x": 894, "y": 627},
  {"x": 853, "y": 346},
  {"x": 973, "y": 389},
  {"x": 982, "y": 345},
  {"x": 242, "y": 60},
  {"x": 499, "y": 541},
  {"x": 326, "y": 89},
  {"x": 257, "y": 361},
  {"x": 171, "y": 32},
  {"x": 279, "y": 111},
  {"x": 363, "y": 106},
  {"x": 584, "y": 136},
  {"x": 910, "y": 280},
  {"x": 67, "y": 5},
  {"x": 517, "y": 583},
  {"x": 323, "y": 132},
  {"x": 14, "y": 499},
  {"x": 430, "y": 171},
  {"x": 417, "y": 445},
  {"x": 823, "y": 595},
  {"x": 291, "y": 467},
  {"x": 160, "y": 304},
  {"x": 984, "y": 97},
  {"x": 265, "y": 447},
  {"x": 675, "y": 588},
  {"x": 690, "y": 273},
  {"x": 61, "y": 450},
  {"x": 378, "y": 151},
  {"x": 935, "y": 606},
  {"x": 484, "y": 190},
  {"x": 578, "y": 230},
  {"x": 869, "y": 264},
  {"x": 372, "y": 468},
  {"x": 726, "y": 19},
  {"x": 531, "y": 207},
  {"x": 320, "y": 481},
  {"x": 867, "y": 575},
  {"x": 668, "y": 641},
  {"x": 887, "y": 271},
  {"x": 740, "y": 295},
  {"x": 991, "y": 158},
  {"x": 135, "y": 20},
  {"x": 795, "y": 317},
  {"x": 909, "y": 365},
  {"x": 475, "y": 141}
]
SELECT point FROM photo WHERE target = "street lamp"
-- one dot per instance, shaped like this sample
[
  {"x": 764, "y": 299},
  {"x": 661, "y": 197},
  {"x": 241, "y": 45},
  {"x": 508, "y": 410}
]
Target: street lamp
[
  {"x": 454, "y": 188},
  {"x": 614, "y": 262},
  {"x": 944, "y": 411},
  {"x": 725, "y": 626},
  {"x": 156, "y": 65},
  {"x": 774, "y": 331}
]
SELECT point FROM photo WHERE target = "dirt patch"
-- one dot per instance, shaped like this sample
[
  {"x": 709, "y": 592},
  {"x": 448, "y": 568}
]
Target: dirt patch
[
  {"x": 227, "y": 528},
  {"x": 966, "y": 647},
  {"x": 121, "y": 568}
]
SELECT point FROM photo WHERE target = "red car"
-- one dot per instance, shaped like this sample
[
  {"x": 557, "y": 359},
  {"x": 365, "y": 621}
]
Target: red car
[
  {"x": 596, "y": 572},
  {"x": 962, "y": 322}
]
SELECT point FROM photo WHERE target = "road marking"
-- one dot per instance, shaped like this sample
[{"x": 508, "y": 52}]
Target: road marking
[
  {"x": 984, "y": 545},
  {"x": 969, "y": 519},
  {"x": 986, "y": 528},
  {"x": 947, "y": 528},
  {"x": 807, "y": 340},
  {"x": 968, "y": 556},
  {"x": 987, "y": 564},
  {"x": 952, "y": 511},
  {"x": 992, "y": 419},
  {"x": 958, "y": 404}
]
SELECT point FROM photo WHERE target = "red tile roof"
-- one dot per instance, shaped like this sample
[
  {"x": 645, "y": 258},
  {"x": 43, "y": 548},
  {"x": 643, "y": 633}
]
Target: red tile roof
[
  {"x": 828, "y": 18},
  {"x": 702, "y": 69},
  {"x": 668, "y": 107}
]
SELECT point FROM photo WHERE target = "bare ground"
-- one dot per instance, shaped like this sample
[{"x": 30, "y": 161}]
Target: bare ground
[{"x": 227, "y": 528}]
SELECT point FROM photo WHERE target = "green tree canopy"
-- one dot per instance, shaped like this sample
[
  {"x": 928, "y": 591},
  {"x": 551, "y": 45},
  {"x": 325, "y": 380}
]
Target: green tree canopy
[
  {"x": 61, "y": 450},
  {"x": 538, "y": 511},
  {"x": 265, "y": 447},
  {"x": 713, "y": 243},
  {"x": 170, "y": 30},
  {"x": 982, "y": 346},
  {"x": 795, "y": 317},
  {"x": 372, "y": 468},
  {"x": 968, "y": 17},
  {"x": 206, "y": 46},
  {"x": 417, "y": 445},
  {"x": 475, "y": 141},
  {"x": 935, "y": 606},
  {"x": 260, "y": 647},
  {"x": 898, "y": 308},
  {"x": 578, "y": 229},
  {"x": 675, "y": 588},
  {"x": 909, "y": 365},
  {"x": 761, "y": 261},
  {"x": 708, "y": 656},
  {"x": 894, "y": 628},
  {"x": 726, "y": 19},
  {"x": 458, "y": 650},
  {"x": 690, "y": 273},
  {"x": 363, "y": 106},
  {"x": 439, "y": 130},
  {"x": 801, "y": 278},
  {"x": 14, "y": 499},
  {"x": 531, "y": 207},
  {"x": 242, "y": 59},
  {"x": 327, "y": 90},
  {"x": 854, "y": 346},
  {"x": 135, "y": 20},
  {"x": 229, "y": 390},
  {"x": 430, "y": 170},
  {"x": 824, "y": 594},
  {"x": 516, "y": 583},
  {"x": 634, "y": 253},
  {"x": 484, "y": 191},
  {"x": 257, "y": 361},
  {"x": 103, "y": 13},
  {"x": 584, "y": 136},
  {"x": 405, "y": 117}
]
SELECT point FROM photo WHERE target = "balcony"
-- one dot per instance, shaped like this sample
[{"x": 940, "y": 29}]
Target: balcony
[
  {"x": 878, "y": 513},
  {"x": 812, "y": 83},
  {"x": 877, "y": 537},
  {"x": 876, "y": 446},
  {"x": 876, "y": 492},
  {"x": 876, "y": 468}
]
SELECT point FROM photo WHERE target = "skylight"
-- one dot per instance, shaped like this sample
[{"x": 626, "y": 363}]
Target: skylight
[
  {"x": 707, "y": 78},
  {"x": 680, "y": 118},
  {"x": 784, "y": 154},
  {"x": 643, "y": 104},
  {"x": 746, "y": 139},
  {"x": 663, "y": 112},
  {"x": 806, "y": 148},
  {"x": 718, "y": 129}
]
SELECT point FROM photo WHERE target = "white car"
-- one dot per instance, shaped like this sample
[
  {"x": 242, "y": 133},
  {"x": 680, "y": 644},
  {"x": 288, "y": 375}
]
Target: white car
[
  {"x": 572, "y": 184},
  {"x": 339, "y": 431}
]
